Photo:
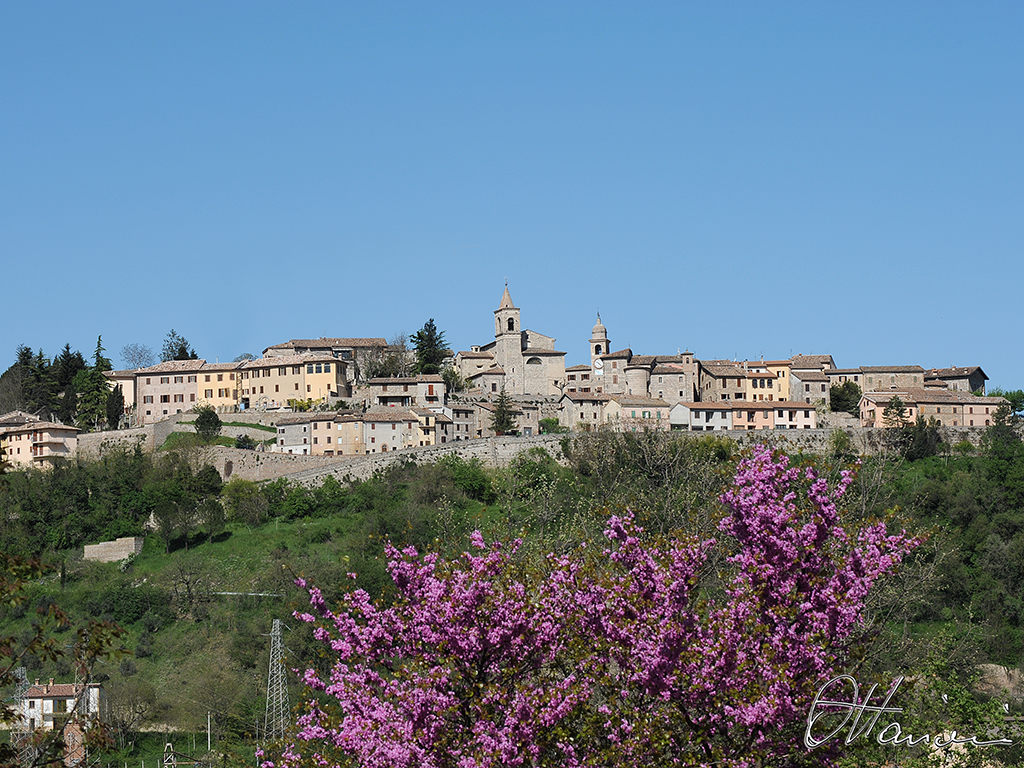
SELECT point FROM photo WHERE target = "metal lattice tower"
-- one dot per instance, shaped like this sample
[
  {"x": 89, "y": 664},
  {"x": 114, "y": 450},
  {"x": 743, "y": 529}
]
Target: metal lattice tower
[{"x": 277, "y": 689}]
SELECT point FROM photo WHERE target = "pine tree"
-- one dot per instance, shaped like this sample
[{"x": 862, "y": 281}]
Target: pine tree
[
  {"x": 430, "y": 348},
  {"x": 115, "y": 407},
  {"x": 177, "y": 348},
  {"x": 503, "y": 421}
]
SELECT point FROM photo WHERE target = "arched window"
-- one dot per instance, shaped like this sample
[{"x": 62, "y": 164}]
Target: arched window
[
  {"x": 511, "y": 324},
  {"x": 533, "y": 361},
  {"x": 597, "y": 349}
]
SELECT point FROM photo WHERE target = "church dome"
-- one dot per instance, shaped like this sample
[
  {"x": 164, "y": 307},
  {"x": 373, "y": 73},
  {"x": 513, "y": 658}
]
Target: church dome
[{"x": 599, "y": 329}]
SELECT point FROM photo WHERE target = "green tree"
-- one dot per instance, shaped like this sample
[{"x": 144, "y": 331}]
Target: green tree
[
  {"x": 430, "y": 348},
  {"x": 453, "y": 381},
  {"x": 115, "y": 407},
  {"x": 895, "y": 414},
  {"x": 1015, "y": 397},
  {"x": 551, "y": 427},
  {"x": 845, "y": 398},
  {"x": 208, "y": 423},
  {"x": 503, "y": 420},
  {"x": 99, "y": 361},
  {"x": 245, "y": 443},
  {"x": 177, "y": 348},
  {"x": 244, "y": 356},
  {"x": 93, "y": 391}
]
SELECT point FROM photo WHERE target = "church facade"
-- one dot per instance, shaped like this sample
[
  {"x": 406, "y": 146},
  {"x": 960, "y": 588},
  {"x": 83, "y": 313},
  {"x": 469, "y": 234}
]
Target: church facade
[{"x": 524, "y": 362}]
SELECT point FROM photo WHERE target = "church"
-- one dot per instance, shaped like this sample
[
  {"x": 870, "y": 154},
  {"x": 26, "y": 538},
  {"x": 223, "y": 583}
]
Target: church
[{"x": 524, "y": 362}]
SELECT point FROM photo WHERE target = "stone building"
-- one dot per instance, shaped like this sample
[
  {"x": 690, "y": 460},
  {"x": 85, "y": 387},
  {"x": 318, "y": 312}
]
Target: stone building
[
  {"x": 529, "y": 363},
  {"x": 969, "y": 379}
]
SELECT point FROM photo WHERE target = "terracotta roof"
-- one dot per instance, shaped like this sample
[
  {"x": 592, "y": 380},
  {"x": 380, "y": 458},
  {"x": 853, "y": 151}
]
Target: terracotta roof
[
  {"x": 577, "y": 368},
  {"x": 642, "y": 360},
  {"x": 892, "y": 369},
  {"x": 930, "y": 395},
  {"x": 838, "y": 371},
  {"x": 36, "y": 425},
  {"x": 324, "y": 342},
  {"x": 224, "y": 366},
  {"x": 596, "y": 396},
  {"x": 121, "y": 374},
  {"x": 56, "y": 691},
  {"x": 632, "y": 400},
  {"x": 172, "y": 366},
  {"x": 729, "y": 370},
  {"x": 471, "y": 355},
  {"x": 811, "y": 361},
  {"x": 389, "y": 415},
  {"x": 954, "y": 373},
  {"x": 539, "y": 352},
  {"x": 426, "y": 378},
  {"x": 494, "y": 370},
  {"x": 707, "y": 406},
  {"x": 17, "y": 417},
  {"x": 622, "y": 353},
  {"x": 810, "y": 376},
  {"x": 667, "y": 368}
]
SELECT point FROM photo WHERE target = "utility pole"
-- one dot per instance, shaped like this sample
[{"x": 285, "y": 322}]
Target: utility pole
[{"x": 277, "y": 689}]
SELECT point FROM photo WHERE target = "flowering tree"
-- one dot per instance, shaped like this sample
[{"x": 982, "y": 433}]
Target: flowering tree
[{"x": 667, "y": 651}]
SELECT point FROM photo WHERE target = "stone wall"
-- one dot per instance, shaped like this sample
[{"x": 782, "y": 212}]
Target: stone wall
[
  {"x": 109, "y": 551},
  {"x": 93, "y": 444}
]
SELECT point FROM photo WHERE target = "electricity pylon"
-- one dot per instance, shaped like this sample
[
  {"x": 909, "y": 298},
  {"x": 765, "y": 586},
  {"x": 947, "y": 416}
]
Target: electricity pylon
[{"x": 277, "y": 689}]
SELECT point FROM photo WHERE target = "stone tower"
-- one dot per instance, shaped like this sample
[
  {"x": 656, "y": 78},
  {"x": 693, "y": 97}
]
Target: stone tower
[
  {"x": 598, "y": 341},
  {"x": 508, "y": 343}
]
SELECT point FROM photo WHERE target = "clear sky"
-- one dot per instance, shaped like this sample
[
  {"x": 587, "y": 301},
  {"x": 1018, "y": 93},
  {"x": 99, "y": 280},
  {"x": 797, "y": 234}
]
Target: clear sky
[{"x": 736, "y": 179}]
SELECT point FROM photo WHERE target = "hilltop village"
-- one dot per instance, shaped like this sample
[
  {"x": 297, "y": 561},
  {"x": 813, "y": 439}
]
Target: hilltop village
[{"x": 348, "y": 413}]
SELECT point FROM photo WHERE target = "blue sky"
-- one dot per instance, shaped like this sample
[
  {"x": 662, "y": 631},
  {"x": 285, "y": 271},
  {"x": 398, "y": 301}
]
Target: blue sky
[{"x": 736, "y": 179}]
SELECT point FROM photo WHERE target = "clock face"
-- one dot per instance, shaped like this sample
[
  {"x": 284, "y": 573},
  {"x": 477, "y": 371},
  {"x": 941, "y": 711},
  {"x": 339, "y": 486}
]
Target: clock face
[{"x": 599, "y": 364}]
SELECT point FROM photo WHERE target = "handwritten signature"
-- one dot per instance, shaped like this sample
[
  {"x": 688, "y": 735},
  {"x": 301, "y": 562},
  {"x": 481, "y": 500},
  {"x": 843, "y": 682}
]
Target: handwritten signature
[{"x": 857, "y": 710}]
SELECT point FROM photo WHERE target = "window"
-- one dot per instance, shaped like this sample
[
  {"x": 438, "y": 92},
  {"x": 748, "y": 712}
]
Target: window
[
  {"x": 165, "y": 398},
  {"x": 309, "y": 368},
  {"x": 220, "y": 377},
  {"x": 207, "y": 393},
  {"x": 147, "y": 399},
  {"x": 193, "y": 379},
  {"x": 327, "y": 367},
  {"x": 60, "y": 706},
  {"x": 192, "y": 397},
  {"x": 179, "y": 398},
  {"x": 149, "y": 381},
  {"x": 165, "y": 379},
  {"x": 283, "y": 371},
  {"x": 179, "y": 379},
  {"x": 319, "y": 368}
]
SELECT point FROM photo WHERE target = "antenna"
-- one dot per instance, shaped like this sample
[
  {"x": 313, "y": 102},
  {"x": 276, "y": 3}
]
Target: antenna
[{"x": 277, "y": 689}]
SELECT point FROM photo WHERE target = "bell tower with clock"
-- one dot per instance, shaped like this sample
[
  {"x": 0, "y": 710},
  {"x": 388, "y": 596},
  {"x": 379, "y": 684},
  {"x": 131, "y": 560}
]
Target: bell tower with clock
[{"x": 598, "y": 346}]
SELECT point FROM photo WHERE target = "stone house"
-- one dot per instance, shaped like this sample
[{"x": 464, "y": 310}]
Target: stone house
[
  {"x": 578, "y": 379},
  {"x": 842, "y": 375},
  {"x": 424, "y": 390},
  {"x": 584, "y": 410},
  {"x": 294, "y": 434},
  {"x": 810, "y": 387},
  {"x": 722, "y": 381},
  {"x": 969, "y": 379},
  {"x": 527, "y": 418},
  {"x": 881, "y": 377}
]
